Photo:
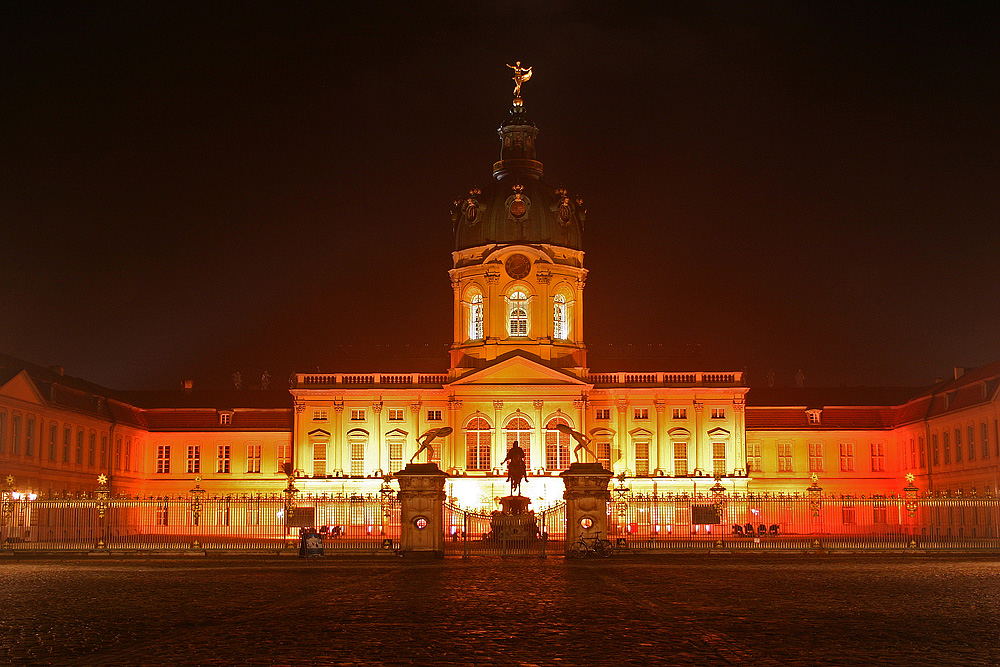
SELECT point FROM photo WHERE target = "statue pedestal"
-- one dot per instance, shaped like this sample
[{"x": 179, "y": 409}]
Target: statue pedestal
[
  {"x": 421, "y": 500},
  {"x": 514, "y": 504},
  {"x": 515, "y": 523},
  {"x": 587, "y": 499}
]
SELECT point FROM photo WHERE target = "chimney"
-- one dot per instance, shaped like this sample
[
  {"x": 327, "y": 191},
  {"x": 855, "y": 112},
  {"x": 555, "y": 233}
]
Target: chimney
[
  {"x": 959, "y": 371},
  {"x": 187, "y": 386},
  {"x": 58, "y": 369}
]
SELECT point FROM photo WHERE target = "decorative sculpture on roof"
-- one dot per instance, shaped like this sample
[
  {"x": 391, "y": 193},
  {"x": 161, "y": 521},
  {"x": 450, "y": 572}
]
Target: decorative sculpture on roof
[{"x": 521, "y": 74}]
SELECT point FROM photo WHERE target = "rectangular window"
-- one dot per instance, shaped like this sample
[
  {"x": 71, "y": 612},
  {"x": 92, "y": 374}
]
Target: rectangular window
[
  {"x": 847, "y": 515},
  {"x": 972, "y": 442},
  {"x": 642, "y": 459},
  {"x": 358, "y": 458},
  {"x": 878, "y": 457},
  {"x": 923, "y": 452},
  {"x": 92, "y": 450},
  {"x": 813, "y": 417},
  {"x": 984, "y": 439},
  {"x": 433, "y": 415},
  {"x": 556, "y": 450},
  {"x": 815, "y": 457},
  {"x": 29, "y": 436},
  {"x": 958, "y": 445},
  {"x": 319, "y": 459},
  {"x": 913, "y": 453},
  {"x": 128, "y": 454},
  {"x": 640, "y": 413},
  {"x": 753, "y": 457},
  {"x": 225, "y": 419},
  {"x": 934, "y": 449},
  {"x": 603, "y": 450},
  {"x": 118, "y": 453},
  {"x": 680, "y": 413},
  {"x": 879, "y": 515},
  {"x": 602, "y": 413},
  {"x": 284, "y": 456},
  {"x": 680, "y": 459},
  {"x": 357, "y": 414},
  {"x": 104, "y": 450},
  {"x": 79, "y": 447},
  {"x": 395, "y": 414},
  {"x": 67, "y": 443},
  {"x": 946, "y": 441},
  {"x": 15, "y": 435},
  {"x": 718, "y": 413},
  {"x": 222, "y": 459},
  {"x": 847, "y": 457},
  {"x": 784, "y": 457},
  {"x": 163, "y": 459},
  {"x": 162, "y": 515},
  {"x": 253, "y": 458},
  {"x": 53, "y": 441},
  {"x": 194, "y": 459},
  {"x": 321, "y": 415},
  {"x": 3, "y": 432},
  {"x": 718, "y": 459},
  {"x": 395, "y": 453}
]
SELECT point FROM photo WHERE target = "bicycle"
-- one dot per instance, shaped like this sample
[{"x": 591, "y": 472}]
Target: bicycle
[{"x": 591, "y": 545}]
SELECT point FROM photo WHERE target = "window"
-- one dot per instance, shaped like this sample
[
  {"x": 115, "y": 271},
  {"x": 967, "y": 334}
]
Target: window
[
  {"x": 357, "y": 414},
  {"x": 934, "y": 448},
  {"x": 163, "y": 459},
  {"x": 958, "y": 445},
  {"x": 29, "y": 436},
  {"x": 519, "y": 430},
  {"x": 556, "y": 445},
  {"x": 847, "y": 515},
  {"x": 319, "y": 459},
  {"x": 118, "y": 453},
  {"x": 476, "y": 317},
  {"x": 847, "y": 456},
  {"x": 946, "y": 441},
  {"x": 813, "y": 417},
  {"x": 358, "y": 455},
  {"x": 225, "y": 419},
  {"x": 642, "y": 459},
  {"x": 753, "y": 457},
  {"x": 517, "y": 321},
  {"x": 433, "y": 415},
  {"x": 15, "y": 435},
  {"x": 253, "y": 458},
  {"x": 321, "y": 415},
  {"x": 972, "y": 442},
  {"x": 784, "y": 457},
  {"x": 680, "y": 459},
  {"x": 53, "y": 440},
  {"x": 602, "y": 413},
  {"x": 128, "y": 454},
  {"x": 913, "y": 454},
  {"x": 815, "y": 457},
  {"x": 640, "y": 413},
  {"x": 560, "y": 330},
  {"x": 477, "y": 444},
  {"x": 395, "y": 414},
  {"x": 104, "y": 450},
  {"x": 67, "y": 442},
  {"x": 194, "y": 459},
  {"x": 79, "y": 447},
  {"x": 162, "y": 515},
  {"x": 718, "y": 413},
  {"x": 395, "y": 452},
  {"x": 284, "y": 457},
  {"x": 923, "y": 452},
  {"x": 603, "y": 450},
  {"x": 984, "y": 439},
  {"x": 878, "y": 457},
  {"x": 3, "y": 432},
  {"x": 879, "y": 514},
  {"x": 680, "y": 413},
  {"x": 222, "y": 459},
  {"x": 718, "y": 459}
]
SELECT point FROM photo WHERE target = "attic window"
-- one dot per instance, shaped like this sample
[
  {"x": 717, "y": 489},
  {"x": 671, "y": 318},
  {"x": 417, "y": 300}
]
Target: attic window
[
  {"x": 225, "y": 417},
  {"x": 813, "y": 416}
]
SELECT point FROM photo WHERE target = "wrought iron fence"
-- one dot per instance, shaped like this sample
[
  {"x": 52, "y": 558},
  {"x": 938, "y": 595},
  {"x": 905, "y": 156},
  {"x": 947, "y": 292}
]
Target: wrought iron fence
[
  {"x": 469, "y": 533},
  {"x": 262, "y": 522},
  {"x": 802, "y": 521}
]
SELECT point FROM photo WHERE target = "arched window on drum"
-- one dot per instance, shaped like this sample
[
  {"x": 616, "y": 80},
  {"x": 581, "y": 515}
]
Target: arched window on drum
[
  {"x": 475, "y": 312},
  {"x": 517, "y": 319},
  {"x": 519, "y": 430},
  {"x": 477, "y": 444},
  {"x": 560, "y": 327},
  {"x": 556, "y": 445}
]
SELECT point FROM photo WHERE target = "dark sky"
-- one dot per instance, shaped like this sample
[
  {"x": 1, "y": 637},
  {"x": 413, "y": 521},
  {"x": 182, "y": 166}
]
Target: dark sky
[{"x": 190, "y": 190}]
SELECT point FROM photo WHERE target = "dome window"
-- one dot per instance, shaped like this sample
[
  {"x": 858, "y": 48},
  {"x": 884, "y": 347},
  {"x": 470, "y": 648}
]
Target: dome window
[
  {"x": 476, "y": 318},
  {"x": 517, "y": 321},
  {"x": 559, "y": 329}
]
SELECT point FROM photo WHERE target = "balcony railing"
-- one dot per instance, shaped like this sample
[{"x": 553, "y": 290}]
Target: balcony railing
[
  {"x": 315, "y": 380},
  {"x": 308, "y": 380},
  {"x": 654, "y": 379}
]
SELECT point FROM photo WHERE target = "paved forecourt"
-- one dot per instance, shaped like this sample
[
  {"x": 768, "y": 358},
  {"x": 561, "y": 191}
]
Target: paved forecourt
[{"x": 709, "y": 610}]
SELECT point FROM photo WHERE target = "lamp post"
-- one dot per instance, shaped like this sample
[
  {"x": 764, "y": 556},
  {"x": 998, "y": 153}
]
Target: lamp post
[{"x": 8, "y": 503}]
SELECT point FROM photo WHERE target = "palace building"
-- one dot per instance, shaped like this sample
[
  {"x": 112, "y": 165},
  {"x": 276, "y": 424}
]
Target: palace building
[{"x": 518, "y": 368}]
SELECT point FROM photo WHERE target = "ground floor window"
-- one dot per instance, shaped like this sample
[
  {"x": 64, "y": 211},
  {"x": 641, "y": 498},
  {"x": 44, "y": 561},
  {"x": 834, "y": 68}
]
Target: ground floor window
[
  {"x": 477, "y": 444},
  {"x": 718, "y": 459},
  {"x": 680, "y": 459},
  {"x": 319, "y": 459},
  {"x": 556, "y": 445},
  {"x": 642, "y": 459}
]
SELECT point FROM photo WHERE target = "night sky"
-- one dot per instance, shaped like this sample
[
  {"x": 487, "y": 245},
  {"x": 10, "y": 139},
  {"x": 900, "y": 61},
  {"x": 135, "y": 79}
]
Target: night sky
[{"x": 192, "y": 190}]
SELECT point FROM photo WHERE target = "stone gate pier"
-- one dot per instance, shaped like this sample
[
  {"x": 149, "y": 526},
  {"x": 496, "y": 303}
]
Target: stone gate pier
[
  {"x": 587, "y": 499},
  {"x": 421, "y": 500}
]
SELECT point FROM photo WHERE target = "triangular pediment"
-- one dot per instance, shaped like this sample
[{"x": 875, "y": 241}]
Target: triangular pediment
[
  {"x": 22, "y": 388},
  {"x": 718, "y": 433},
  {"x": 519, "y": 371}
]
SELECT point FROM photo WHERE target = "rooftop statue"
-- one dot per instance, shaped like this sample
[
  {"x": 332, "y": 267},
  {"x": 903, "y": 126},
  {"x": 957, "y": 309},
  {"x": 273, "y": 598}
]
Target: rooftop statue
[
  {"x": 521, "y": 74},
  {"x": 426, "y": 441}
]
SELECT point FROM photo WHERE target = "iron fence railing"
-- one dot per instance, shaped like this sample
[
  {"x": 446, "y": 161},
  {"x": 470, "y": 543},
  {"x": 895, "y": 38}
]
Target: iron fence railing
[{"x": 469, "y": 533}]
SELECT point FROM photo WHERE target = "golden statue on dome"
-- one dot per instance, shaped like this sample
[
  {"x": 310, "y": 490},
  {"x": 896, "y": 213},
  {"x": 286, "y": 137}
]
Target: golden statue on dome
[{"x": 521, "y": 74}]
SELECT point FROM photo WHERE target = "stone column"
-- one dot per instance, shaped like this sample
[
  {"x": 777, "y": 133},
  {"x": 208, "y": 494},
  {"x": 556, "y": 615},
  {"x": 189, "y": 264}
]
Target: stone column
[
  {"x": 581, "y": 418},
  {"x": 587, "y": 499},
  {"x": 421, "y": 500},
  {"x": 415, "y": 411},
  {"x": 499, "y": 448},
  {"x": 739, "y": 434},
  {"x": 299, "y": 440},
  {"x": 621, "y": 436},
  {"x": 454, "y": 443}
]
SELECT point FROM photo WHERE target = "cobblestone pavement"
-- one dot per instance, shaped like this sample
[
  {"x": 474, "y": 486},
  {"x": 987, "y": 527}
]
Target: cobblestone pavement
[{"x": 710, "y": 610}]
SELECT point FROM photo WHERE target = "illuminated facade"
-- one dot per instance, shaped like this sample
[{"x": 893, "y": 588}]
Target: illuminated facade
[{"x": 519, "y": 367}]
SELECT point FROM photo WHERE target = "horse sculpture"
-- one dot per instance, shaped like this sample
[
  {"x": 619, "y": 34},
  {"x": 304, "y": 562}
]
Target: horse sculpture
[{"x": 516, "y": 470}]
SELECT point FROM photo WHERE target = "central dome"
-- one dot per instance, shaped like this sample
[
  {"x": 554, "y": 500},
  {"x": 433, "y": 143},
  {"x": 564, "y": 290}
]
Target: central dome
[{"x": 518, "y": 206}]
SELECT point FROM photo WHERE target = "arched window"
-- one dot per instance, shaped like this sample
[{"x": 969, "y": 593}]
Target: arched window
[
  {"x": 519, "y": 430},
  {"x": 559, "y": 328},
  {"x": 556, "y": 445},
  {"x": 476, "y": 317},
  {"x": 517, "y": 321},
  {"x": 477, "y": 444}
]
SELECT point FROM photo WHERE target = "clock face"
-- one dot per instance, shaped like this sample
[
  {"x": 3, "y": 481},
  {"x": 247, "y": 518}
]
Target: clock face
[{"x": 517, "y": 266}]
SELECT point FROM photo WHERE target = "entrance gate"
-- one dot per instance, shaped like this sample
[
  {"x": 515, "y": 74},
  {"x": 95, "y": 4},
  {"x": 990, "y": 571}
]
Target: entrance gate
[{"x": 538, "y": 534}]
